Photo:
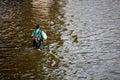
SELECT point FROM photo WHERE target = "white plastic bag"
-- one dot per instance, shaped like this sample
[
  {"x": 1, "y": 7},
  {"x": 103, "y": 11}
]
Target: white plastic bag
[{"x": 44, "y": 35}]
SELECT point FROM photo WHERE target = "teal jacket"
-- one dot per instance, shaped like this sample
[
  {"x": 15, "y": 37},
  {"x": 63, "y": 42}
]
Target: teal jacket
[{"x": 37, "y": 32}]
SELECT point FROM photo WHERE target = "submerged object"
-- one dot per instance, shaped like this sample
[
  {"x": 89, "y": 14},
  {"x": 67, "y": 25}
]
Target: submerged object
[{"x": 44, "y": 35}]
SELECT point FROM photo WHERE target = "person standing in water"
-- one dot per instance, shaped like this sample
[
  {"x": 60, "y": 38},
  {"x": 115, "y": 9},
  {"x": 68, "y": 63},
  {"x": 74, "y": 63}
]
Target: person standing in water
[{"x": 37, "y": 38}]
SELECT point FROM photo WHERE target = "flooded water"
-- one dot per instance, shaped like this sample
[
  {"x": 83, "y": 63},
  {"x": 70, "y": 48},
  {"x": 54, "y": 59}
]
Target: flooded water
[{"x": 83, "y": 40}]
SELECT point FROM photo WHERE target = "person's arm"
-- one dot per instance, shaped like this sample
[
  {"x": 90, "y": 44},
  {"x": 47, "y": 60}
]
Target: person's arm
[
  {"x": 33, "y": 33},
  {"x": 40, "y": 34}
]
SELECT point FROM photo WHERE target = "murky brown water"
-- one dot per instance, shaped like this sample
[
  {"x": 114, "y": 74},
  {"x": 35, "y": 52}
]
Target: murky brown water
[{"x": 83, "y": 40}]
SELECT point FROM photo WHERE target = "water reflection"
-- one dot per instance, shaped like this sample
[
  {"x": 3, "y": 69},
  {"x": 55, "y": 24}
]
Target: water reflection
[{"x": 90, "y": 50}]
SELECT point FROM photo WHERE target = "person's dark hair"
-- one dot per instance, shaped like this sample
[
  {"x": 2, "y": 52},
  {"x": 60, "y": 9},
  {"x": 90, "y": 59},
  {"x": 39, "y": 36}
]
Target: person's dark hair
[{"x": 37, "y": 26}]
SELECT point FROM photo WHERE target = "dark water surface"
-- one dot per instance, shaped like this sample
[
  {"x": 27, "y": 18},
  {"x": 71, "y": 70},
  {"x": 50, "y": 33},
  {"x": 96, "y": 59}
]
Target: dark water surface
[{"x": 83, "y": 40}]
